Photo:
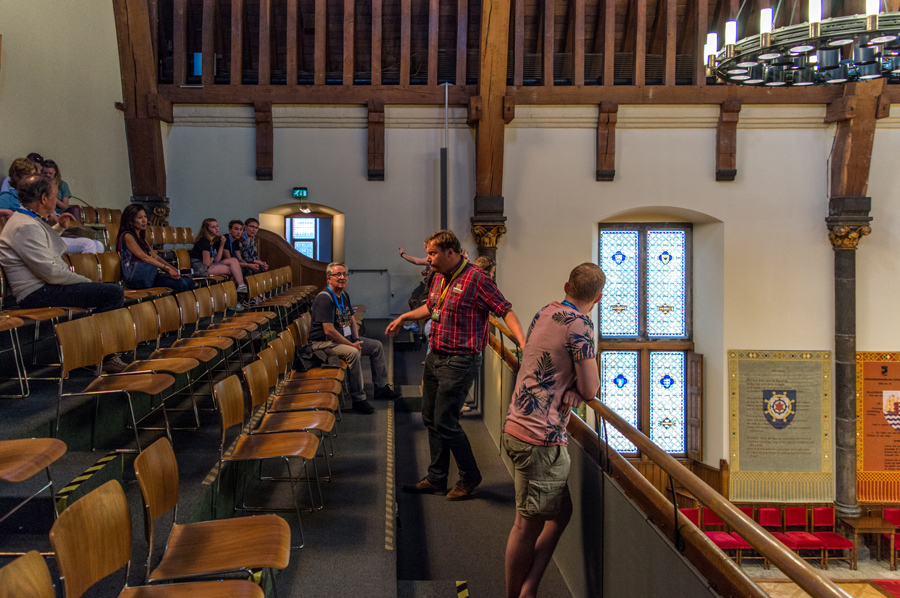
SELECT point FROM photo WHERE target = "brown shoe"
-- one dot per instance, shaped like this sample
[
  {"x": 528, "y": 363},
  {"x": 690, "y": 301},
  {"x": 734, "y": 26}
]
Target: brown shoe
[
  {"x": 424, "y": 486},
  {"x": 463, "y": 490}
]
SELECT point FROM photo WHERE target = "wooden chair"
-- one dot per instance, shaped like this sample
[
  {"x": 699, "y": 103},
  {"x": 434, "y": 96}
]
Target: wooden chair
[
  {"x": 293, "y": 400},
  {"x": 155, "y": 235},
  {"x": 327, "y": 385},
  {"x": 721, "y": 538},
  {"x": 183, "y": 259},
  {"x": 169, "y": 237},
  {"x": 92, "y": 539},
  {"x": 298, "y": 335},
  {"x": 239, "y": 333},
  {"x": 823, "y": 517},
  {"x": 230, "y": 291},
  {"x": 103, "y": 216},
  {"x": 256, "y": 289},
  {"x": 169, "y": 318},
  {"x": 27, "y": 577},
  {"x": 84, "y": 264},
  {"x": 23, "y": 458},
  {"x": 745, "y": 548},
  {"x": 88, "y": 215},
  {"x": 260, "y": 447},
  {"x": 12, "y": 325},
  {"x": 80, "y": 346},
  {"x": 891, "y": 515},
  {"x": 111, "y": 271},
  {"x": 798, "y": 517},
  {"x": 115, "y": 215},
  {"x": 189, "y": 236},
  {"x": 209, "y": 547}
]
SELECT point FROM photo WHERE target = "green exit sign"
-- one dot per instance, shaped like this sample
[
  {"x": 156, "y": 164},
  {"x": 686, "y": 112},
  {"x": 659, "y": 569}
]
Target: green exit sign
[{"x": 299, "y": 192}]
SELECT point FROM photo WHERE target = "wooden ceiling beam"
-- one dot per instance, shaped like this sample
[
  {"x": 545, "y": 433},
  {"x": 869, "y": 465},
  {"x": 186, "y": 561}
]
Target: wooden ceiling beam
[
  {"x": 375, "y": 157},
  {"x": 292, "y": 45},
  {"x": 670, "y": 50},
  {"x": 376, "y": 41},
  {"x": 578, "y": 47},
  {"x": 726, "y": 140},
  {"x": 640, "y": 42},
  {"x": 265, "y": 42},
  {"x": 405, "y": 40},
  {"x": 547, "y": 46},
  {"x": 606, "y": 141},
  {"x": 179, "y": 41},
  {"x": 433, "y": 14},
  {"x": 518, "y": 8},
  {"x": 237, "y": 28},
  {"x": 208, "y": 43},
  {"x": 349, "y": 29},
  {"x": 855, "y": 113},
  {"x": 265, "y": 140},
  {"x": 321, "y": 25},
  {"x": 698, "y": 36},
  {"x": 608, "y": 38},
  {"x": 462, "y": 40}
]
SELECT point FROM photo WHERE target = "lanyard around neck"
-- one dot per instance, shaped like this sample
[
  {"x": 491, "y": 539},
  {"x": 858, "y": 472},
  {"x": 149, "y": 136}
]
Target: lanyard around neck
[
  {"x": 28, "y": 212},
  {"x": 340, "y": 305},
  {"x": 444, "y": 289},
  {"x": 570, "y": 304}
]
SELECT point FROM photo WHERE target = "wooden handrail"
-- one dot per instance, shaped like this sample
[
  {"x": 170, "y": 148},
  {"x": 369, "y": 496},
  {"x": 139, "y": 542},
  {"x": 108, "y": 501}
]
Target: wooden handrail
[
  {"x": 504, "y": 330},
  {"x": 789, "y": 563}
]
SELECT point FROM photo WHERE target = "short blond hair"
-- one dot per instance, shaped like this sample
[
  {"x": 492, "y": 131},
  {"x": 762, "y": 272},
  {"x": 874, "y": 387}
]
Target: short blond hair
[
  {"x": 330, "y": 267},
  {"x": 586, "y": 281}
]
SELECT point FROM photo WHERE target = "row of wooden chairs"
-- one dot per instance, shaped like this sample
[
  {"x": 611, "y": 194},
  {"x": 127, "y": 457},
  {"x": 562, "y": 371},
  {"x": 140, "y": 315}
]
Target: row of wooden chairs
[
  {"x": 162, "y": 236},
  {"x": 798, "y": 528},
  {"x": 91, "y": 215}
]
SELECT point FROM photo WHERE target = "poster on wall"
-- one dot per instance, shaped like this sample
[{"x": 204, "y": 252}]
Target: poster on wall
[
  {"x": 780, "y": 426},
  {"x": 878, "y": 427}
]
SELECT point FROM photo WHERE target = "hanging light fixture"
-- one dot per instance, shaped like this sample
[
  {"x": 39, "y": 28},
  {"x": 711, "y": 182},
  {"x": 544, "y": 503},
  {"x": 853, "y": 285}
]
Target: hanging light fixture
[{"x": 811, "y": 53}]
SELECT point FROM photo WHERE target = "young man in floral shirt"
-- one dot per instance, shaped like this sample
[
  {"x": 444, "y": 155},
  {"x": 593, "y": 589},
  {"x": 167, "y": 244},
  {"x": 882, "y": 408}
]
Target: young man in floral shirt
[{"x": 558, "y": 372}]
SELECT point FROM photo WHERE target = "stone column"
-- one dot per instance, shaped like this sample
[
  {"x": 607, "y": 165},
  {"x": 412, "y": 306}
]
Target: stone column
[
  {"x": 488, "y": 224},
  {"x": 157, "y": 208},
  {"x": 848, "y": 221}
]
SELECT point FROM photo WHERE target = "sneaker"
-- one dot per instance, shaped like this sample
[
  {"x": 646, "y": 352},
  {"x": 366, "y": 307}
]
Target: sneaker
[
  {"x": 238, "y": 307},
  {"x": 387, "y": 393},
  {"x": 464, "y": 489},
  {"x": 465, "y": 409},
  {"x": 242, "y": 288},
  {"x": 424, "y": 486},
  {"x": 363, "y": 407},
  {"x": 114, "y": 364}
]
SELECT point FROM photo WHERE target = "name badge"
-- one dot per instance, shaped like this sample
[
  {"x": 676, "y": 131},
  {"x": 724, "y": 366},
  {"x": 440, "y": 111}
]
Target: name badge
[
  {"x": 436, "y": 316},
  {"x": 347, "y": 331}
]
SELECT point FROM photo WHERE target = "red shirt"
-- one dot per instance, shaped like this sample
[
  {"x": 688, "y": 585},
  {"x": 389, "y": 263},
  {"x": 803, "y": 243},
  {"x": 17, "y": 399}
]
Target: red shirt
[{"x": 462, "y": 326}]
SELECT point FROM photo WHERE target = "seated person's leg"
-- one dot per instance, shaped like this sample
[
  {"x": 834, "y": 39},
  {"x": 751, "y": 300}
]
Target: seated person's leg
[
  {"x": 375, "y": 350},
  {"x": 89, "y": 295}
]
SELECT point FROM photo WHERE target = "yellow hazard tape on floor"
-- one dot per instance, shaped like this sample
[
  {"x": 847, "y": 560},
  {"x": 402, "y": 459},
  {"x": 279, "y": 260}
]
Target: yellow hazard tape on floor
[
  {"x": 62, "y": 497},
  {"x": 214, "y": 472},
  {"x": 389, "y": 507},
  {"x": 462, "y": 589}
]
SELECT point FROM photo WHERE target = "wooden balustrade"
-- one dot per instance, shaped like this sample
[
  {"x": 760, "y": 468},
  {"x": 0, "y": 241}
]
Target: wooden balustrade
[{"x": 277, "y": 252}]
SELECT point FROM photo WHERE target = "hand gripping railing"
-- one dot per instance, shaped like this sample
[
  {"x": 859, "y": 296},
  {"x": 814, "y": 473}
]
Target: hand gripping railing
[{"x": 789, "y": 563}]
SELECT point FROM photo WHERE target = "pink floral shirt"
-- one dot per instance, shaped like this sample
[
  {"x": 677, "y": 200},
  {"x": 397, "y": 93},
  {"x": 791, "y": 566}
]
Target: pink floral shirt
[{"x": 558, "y": 337}]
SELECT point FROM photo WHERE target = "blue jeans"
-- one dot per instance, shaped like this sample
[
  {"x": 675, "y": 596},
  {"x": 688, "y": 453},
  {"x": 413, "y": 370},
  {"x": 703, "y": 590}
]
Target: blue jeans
[
  {"x": 99, "y": 296},
  {"x": 447, "y": 381},
  {"x": 184, "y": 283}
]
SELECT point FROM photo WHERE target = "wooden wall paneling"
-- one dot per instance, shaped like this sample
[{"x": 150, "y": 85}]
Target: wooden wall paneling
[
  {"x": 179, "y": 41},
  {"x": 237, "y": 35},
  {"x": 349, "y": 22},
  {"x": 265, "y": 141},
  {"x": 375, "y": 157},
  {"x": 609, "y": 41},
  {"x": 640, "y": 41},
  {"x": 726, "y": 140},
  {"x": 376, "y": 41},
  {"x": 405, "y": 39},
  {"x": 462, "y": 35},
  {"x": 265, "y": 42},
  {"x": 671, "y": 41},
  {"x": 547, "y": 53},
  {"x": 208, "y": 40},
  {"x": 519, "y": 44},
  {"x": 606, "y": 141},
  {"x": 320, "y": 47},
  {"x": 292, "y": 72},
  {"x": 578, "y": 46},
  {"x": 433, "y": 14},
  {"x": 694, "y": 408},
  {"x": 643, "y": 416}
]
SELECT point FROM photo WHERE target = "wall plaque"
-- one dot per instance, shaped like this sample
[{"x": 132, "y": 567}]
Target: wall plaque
[{"x": 878, "y": 427}]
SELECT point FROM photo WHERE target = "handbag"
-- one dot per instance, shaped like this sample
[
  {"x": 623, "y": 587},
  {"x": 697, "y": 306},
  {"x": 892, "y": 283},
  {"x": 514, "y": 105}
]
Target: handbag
[{"x": 135, "y": 273}]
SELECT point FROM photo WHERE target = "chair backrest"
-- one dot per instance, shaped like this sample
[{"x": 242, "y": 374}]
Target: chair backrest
[
  {"x": 112, "y": 230},
  {"x": 85, "y": 264},
  {"x": 891, "y": 515},
  {"x": 256, "y": 377},
  {"x": 116, "y": 331},
  {"x": 156, "y": 235},
  {"x": 287, "y": 337},
  {"x": 266, "y": 283},
  {"x": 156, "y": 470},
  {"x": 277, "y": 346},
  {"x": 230, "y": 291},
  {"x": 168, "y": 313},
  {"x": 79, "y": 344},
  {"x": 187, "y": 307},
  {"x": 269, "y": 359},
  {"x": 711, "y": 519},
  {"x": 218, "y": 298},
  {"x": 189, "y": 236},
  {"x": 306, "y": 317},
  {"x": 278, "y": 278},
  {"x": 115, "y": 215},
  {"x": 183, "y": 258},
  {"x": 89, "y": 215},
  {"x": 103, "y": 216},
  {"x": 204, "y": 302},
  {"x": 27, "y": 577},
  {"x": 823, "y": 517},
  {"x": 179, "y": 236},
  {"x": 110, "y": 266},
  {"x": 748, "y": 511},
  {"x": 92, "y": 538},
  {"x": 289, "y": 275},
  {"x": 770, "y": 517},
  {"x": 253, "y": 287},
  {"x": 230, "y": 397},
  {"x": 796, "y": 516},
  {"x": 692, "y": 514},
  {"x": 300, "y": 331},
  {"x": 146, "y": 321},
  {"x": 169, "y": 237}
]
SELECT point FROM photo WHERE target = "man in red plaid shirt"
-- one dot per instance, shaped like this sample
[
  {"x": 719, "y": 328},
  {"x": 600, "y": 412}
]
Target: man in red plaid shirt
[{"x": 460, "y": 301}]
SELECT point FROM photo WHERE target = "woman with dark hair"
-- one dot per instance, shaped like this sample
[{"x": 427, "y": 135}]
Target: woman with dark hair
[
  {"x": 141, "y": 267},
  {"x": 207, "y": 258},
  {"x": 51, "y": 173}
]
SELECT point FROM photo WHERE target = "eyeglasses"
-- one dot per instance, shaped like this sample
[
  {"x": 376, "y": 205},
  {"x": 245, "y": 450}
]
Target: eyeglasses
[{"x": 341, "y": 275}]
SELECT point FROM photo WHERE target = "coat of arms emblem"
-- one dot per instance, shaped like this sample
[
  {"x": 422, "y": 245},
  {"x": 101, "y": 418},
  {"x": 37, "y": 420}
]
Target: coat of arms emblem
[
  {"x": 779, "y": 407},
  {"x": 890, "y": 407}
]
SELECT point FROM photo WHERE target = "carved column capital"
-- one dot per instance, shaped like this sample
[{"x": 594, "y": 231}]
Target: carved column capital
[
  {"x": 157, "y": 208},
  {"x": 847, "y": 237},
  {"x": 848, "y": 221},
  {"x": 487, "y": 235}
]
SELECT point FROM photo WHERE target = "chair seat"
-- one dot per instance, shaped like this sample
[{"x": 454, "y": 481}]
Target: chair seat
[
  {"x": 741, "y": 542},
  {"x": 296, "y": 420},
  {"x": 722, "y": 540},
  {"x": 835, "y": 541},
  {"x": 256, "y": 318},
  {"x": 149, "y": 383},
  {"x": 247, "y": 325},
  {"x": 219, "y": 589},
  {"x": 886, "y": 538},
  {"x": 39, "y": 314},
  {"x": 9, "y": 323},
  {"x": 304, "y": 401},
  {"x": 170, "y": 365},
  {"x": 319, "y": 374},
  {"x": 135, "y": 294},
  {"x": 269, "y": 315},
  {"x": 219, "y": 342},
  {"x": 805, "y": 541},
  {"x": 300, "y": 386},
  {"x": 224, "y": 545},
  {"x": 232, "y": 333},
  {"x": 791, "y": 543},
  {"x": 198, "y": 353},
  {"x": 297, "y": 444},
  {"x": 21, "y": 458}
]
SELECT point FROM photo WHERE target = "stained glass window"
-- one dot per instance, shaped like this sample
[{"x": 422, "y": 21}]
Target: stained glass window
[
  {"x": 619, "y": 258},
  {"x": 667, "y": 405},
  {"x": 305, "y": 247},
  {"x": 304, "y": 228},
  {"x": 665, "y": 283},
  {"x": 619, "y": 392}
]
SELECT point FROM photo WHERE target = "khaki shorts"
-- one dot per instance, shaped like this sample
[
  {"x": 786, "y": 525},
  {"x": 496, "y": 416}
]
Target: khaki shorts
[{"x": 540, "y": 479}]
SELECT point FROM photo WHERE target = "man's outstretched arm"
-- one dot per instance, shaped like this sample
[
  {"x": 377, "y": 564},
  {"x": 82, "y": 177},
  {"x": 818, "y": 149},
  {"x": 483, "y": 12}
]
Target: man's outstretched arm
[{"x": 419, "y": 313}]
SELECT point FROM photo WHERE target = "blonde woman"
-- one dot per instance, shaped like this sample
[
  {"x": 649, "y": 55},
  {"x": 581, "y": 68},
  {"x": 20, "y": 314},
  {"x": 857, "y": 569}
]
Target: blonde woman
[{"x": 207, "y": 258}]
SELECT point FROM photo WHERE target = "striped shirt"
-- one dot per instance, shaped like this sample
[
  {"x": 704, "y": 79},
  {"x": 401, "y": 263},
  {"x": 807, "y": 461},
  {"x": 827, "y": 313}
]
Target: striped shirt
[{"x": 461, "y": 328}]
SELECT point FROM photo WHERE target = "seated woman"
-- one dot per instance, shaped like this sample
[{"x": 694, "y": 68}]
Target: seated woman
[
  {"x": 206, "y": 255},
  {"x": 141, "y": 267},
  {"x": 51, "y": 173}
]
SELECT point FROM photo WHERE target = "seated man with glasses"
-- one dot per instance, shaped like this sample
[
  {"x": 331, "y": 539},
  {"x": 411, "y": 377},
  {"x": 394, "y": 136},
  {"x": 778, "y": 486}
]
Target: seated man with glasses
[
  {"x": 333, "y": 326},
  {"x": 251, "y": 249}
]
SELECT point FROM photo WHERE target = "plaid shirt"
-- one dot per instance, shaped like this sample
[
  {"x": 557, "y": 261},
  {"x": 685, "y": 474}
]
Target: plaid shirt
[{"x": 462, "y": 328}]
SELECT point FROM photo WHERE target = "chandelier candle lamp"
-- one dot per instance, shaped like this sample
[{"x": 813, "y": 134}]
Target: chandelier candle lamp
[{"x": 834, "y": 51}]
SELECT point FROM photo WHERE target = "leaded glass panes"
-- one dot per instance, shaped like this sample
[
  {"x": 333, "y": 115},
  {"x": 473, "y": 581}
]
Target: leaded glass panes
[
  {"x": 665, "y": 283},
  {"x": 619, "y": 259},
  {"x": 304, "y": 228},
  {"x": 305, "y": 247},
  {"x": 667, "y": 406},
  {"x": 619, "y": 392}
]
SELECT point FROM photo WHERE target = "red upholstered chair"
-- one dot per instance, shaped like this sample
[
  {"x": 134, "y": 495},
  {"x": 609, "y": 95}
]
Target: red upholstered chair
[
  {"x": 823, "y": 517},
  {"x": 722, "y": 539},
  {"x": 891, "y": 516},
  {"x": 744, "y": 548},
  {"x": 693, "y": 515},
  {"x": 799, "y": 517}
]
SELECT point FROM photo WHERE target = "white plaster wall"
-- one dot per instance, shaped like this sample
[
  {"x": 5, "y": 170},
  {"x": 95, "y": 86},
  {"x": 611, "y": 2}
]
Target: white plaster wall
[{"x": 59, "y": 81}]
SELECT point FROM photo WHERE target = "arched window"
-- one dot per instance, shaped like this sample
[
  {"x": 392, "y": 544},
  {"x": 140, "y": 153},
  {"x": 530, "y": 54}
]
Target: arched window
[{"x": 310, "y": 234}]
